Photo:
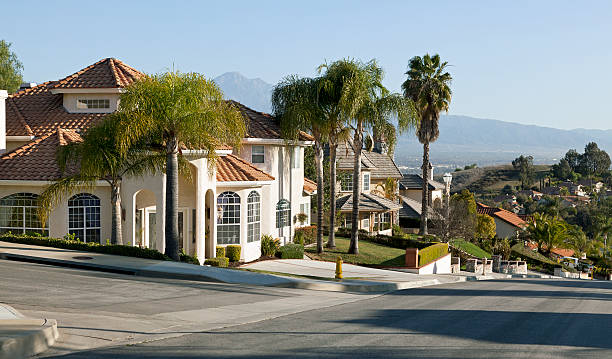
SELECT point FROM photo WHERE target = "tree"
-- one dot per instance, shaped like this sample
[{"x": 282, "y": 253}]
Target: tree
[
  {"x": 366, "y": 104},
  {"x": 562, "y": 170},
  {"x": 388, "y": 189},
  {"x": 99, "y": 158},
  {"x": 485, "y": 227},
  {"x": 10, "y": 68},
  {"x": 594, "y": 161},
  {"x": 548, "y": 232},
  {"x": 295, "y": 104},
  {"x": 463, "y": 221},
  {"x": 524, "y": 164},
  {"x": 573, "y": 159},
  {"x": 428, "y": 86},
  {"x": 177, "y": 110}
]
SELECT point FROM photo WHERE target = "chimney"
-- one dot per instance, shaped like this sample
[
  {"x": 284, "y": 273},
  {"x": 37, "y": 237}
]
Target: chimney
[
  {"x": 3, "y": 96},
  {"x": 431, "y": 170},
  {"x": 380, "y": 145},
  {"x": 27, "y": 85}
]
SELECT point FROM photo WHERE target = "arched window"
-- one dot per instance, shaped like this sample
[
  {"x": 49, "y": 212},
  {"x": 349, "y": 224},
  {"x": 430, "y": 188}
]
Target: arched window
[
  {"x": 283, "y": 213},
  {"x": 18, "y": 214},
  {"x": 84, "y": 217},
  {"x": 253, "y": 217},
  {"x": 228, "y": 218}
]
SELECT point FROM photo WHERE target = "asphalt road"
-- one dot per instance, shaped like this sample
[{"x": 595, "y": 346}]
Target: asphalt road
[{"x": 487, "y": 319}]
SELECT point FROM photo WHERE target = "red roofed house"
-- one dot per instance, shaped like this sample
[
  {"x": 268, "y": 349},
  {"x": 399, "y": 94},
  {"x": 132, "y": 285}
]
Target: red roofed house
[
  {"x": 257, "y": 190},
  {"x": 507, "y": 224}
]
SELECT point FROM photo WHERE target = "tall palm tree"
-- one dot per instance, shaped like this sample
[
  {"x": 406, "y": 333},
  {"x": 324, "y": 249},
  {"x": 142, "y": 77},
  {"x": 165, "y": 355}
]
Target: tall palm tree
[
  {"x": 365, "y": 103},
  {"x": 428, "y": 85},
  {"x": 548, "y": 232},
  {"x": 295, "y": 104},
  {"x": 98, "y": 158},
  {"x": 177, "y": 110}
]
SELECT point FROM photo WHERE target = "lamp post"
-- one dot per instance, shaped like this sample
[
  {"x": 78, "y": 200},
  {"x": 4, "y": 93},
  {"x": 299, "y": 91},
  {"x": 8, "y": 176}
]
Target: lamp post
[{"x": 448, "y": 178}]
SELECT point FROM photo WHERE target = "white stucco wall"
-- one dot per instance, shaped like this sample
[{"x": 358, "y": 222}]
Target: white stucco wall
[{"x": 70, "y": 102}]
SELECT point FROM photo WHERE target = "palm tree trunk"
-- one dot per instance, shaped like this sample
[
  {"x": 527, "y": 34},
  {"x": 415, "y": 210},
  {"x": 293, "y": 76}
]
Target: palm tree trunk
[
  {"x": 331, "y": 241},
  {"x": 116, "y": 235},
  {"x": 171, "y": 225},
  {"x": 357, "y": 146},
  {"x": 318, "y": 152},
  {"x": 425, "y": 194}
]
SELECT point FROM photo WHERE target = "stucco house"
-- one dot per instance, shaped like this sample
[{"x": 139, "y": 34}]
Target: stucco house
[
  {"x": 377, "y": 214},
  {"x": 507, "y": 224},
  {"x": 411, "y": 195},
  {"x": 254, "y": 190}
]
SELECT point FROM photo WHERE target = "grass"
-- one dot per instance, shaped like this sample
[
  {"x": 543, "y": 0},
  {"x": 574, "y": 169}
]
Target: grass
[
  {"x": 470, "y": 248},
  {"x": 369, "y": 254}
]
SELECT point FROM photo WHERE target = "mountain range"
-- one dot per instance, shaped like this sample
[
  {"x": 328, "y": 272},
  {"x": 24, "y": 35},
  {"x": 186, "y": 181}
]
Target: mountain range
[{"x": 463, "y": 139}]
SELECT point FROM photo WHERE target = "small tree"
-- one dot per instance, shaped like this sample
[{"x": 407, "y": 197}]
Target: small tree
[
  {"x": 524, "y": 165},
  {"x": 485, "y": 227},
  {"x": 10, "y": 68}
]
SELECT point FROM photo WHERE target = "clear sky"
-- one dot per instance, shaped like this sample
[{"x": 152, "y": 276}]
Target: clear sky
[{"x": 535, "y": 62}]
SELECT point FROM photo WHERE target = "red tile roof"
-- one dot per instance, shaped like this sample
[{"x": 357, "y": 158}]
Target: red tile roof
[
  {"x": 264, "y": 125},
  {"x": 231, "y": 168},
  {"x": 36, "y": 160},
  {"x": 502, "y": 214},
  {"x": 310, "y": 186},
  {"x": 106, "y": 73},
  {"x": 563, "y": 252}
]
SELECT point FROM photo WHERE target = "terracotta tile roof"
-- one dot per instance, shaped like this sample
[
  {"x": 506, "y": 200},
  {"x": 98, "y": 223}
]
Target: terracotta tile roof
[
  {"x": 310, "y": 186},
  {"x": 563, "y": 252},
  {"x": 264, "y": 125},
  {"x": 506, "y": 216},
  {"x": 231, "y": 168},
  {"x": 36, "y": 160},
  {"x": 106, "y": 73}
]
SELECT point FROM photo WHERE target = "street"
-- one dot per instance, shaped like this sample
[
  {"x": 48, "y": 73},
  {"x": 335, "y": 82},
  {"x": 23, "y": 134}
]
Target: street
[{"x": 529, "y": 318}]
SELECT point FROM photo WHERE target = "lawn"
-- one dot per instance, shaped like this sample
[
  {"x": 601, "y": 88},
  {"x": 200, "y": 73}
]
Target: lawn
[
  {"x": 470, "y": 248},
  {"x": 369, "y": 253}
]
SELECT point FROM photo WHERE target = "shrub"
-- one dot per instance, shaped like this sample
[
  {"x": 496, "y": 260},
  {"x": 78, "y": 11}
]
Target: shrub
[
  {"x": 310, "y": 234},
  {"x": 385, "y": 226},
  {"x": 217, "y": 262},
  {"x": 291, "y": 251},
  {"x": 431, "y": 253},
  {"x": 301, "y": 217},
  {"x": 397, "y": 230},
  {"x": 184, "y": 257},
  {"x": 233, "y": 252},
  {"x": 269, "y": 245},
  {"x": 298, "y": 238},
  {"x": 220, "y": 251},
  {"x": 115, "y": 249}
]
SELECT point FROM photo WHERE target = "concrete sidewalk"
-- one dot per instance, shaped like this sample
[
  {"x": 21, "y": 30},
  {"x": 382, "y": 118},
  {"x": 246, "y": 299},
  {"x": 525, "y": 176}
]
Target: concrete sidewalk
[{"x": 22, "y": 337}]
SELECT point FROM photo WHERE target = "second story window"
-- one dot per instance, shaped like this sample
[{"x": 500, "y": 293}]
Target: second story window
[
  {"x": 346, "y": 182},
  {"x": 257, "y": 154},
  {"x": 84, "y": 104},
  {"x": 296, "y": 160},
  {"x": 366, "y": 181}
]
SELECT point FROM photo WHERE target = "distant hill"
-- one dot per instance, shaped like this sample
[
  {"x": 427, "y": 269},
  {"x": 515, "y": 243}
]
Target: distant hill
[
  {"x": 254, "y": 93},
  {"x": 463, "y": 140}
]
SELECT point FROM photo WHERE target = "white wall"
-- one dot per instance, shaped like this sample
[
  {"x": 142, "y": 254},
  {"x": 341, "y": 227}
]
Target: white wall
[
  {"x": 3, "y": 96},
  {"x": 70, "y": 102}
]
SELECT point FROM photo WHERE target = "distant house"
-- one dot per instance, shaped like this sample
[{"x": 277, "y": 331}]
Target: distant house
[
  {"x": 557, "y": 253},
  {"x": 573, "y": 188},
  {"x": 507, "y": 224},
  {"x": 529, "y": 193},
  {"x": 552, "y": 190},
  {"x": 594, "y": 185},
  {"x": 411, "y": 189},
  {"x": 505, "y": 198},
  {"x": 377, "y": 214}
]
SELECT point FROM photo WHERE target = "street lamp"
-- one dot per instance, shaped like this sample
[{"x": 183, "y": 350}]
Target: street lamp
[{"x": 448, "y": 178}]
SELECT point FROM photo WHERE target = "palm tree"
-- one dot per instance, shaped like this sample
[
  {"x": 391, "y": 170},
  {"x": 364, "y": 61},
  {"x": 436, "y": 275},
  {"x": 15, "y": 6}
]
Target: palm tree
[
  {"x": 98, "y": 158},
  {"x": 428, "y": 85},
  {"x": 365, "y": 103},
  {"x": 548, "y": 232},
  {"x": 177, "y": 110},
  {"x": 295, "y": 104}
]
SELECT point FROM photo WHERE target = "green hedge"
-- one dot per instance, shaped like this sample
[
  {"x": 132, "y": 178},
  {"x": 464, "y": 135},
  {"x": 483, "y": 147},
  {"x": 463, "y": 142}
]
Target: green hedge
[
  {"x": 217, "y": 262},
  {"x": 431, "y": 253},
  {"x": 233, "y": 252},
  {"x": 308, "y": 233},
  {"x": 291, "y": 251},
  {"x": 115, "y": 249},
  {"x": 470, "y": 248},
  {"x": 220, "y": 251},
  {"x": 186, "y": 258}
]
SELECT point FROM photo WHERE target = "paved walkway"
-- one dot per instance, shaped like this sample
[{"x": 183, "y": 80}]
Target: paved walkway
[{"x": 22, "y": 337}]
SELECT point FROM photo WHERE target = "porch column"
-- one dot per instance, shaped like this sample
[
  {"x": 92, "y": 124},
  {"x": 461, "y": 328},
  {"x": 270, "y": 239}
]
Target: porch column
[{"x": 200, "y": 218}]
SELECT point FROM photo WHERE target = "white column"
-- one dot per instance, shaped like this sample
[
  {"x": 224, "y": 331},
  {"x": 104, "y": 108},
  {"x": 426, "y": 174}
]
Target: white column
[{"x": 3, "y": 96}]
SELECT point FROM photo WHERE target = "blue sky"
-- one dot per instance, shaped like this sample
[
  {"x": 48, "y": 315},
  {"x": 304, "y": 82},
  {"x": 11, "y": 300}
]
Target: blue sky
[{"x": 535, "y": 62}]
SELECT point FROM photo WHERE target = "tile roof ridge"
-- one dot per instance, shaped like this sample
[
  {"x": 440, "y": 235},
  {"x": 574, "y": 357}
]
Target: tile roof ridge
[
  {"x": 114, "y": 70},
  {"x": 238, "y": 159},
  {"x": 25, "y": 146},
  {"x": 80, "y": 72},
  {"x": 27, "y": 91},
  {"x": 20, "y": 116}
]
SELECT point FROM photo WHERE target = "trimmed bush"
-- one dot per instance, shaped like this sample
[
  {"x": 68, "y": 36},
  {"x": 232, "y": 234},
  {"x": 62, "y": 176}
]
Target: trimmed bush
[
  {"x": 291, "y": 251},
  {"x": 217, "y": 262},
  {"x": 220, "y": 251},
  {"x": 115, "y": 249},
  {"x": 431, "y": 253},
  {"x": 233, "y": 252},
  {"x": 186, "y": 258},
  {"x": 269, "y": 245},
  {"x": 310, "y": 234}
]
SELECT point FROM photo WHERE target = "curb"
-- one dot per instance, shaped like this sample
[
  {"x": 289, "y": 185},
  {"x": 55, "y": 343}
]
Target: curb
[{"x": 22, "y": 337}]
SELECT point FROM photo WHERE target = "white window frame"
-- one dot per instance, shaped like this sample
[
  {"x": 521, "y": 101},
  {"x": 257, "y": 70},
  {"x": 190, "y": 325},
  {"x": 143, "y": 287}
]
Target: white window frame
[
  {"x": 253, "y": 217},
  {"x": 228, "y": 204},
  {"x": 346, "y": 182},
  {"x": 93, "y": 103},
  {"x": 24, "y": 205},
  {"x": 295, "y": 157},
  {"x": 366, "y": 183},
  {"x": 92, "y": 206},
  {"x": 258, "y": 154},
  {"x": 283, "y": 213},
  {"x": 305, "y": 208}
]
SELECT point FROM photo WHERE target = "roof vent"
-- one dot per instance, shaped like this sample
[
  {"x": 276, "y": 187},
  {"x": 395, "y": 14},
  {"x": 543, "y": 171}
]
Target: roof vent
[{"x": 27, "y": 85}]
